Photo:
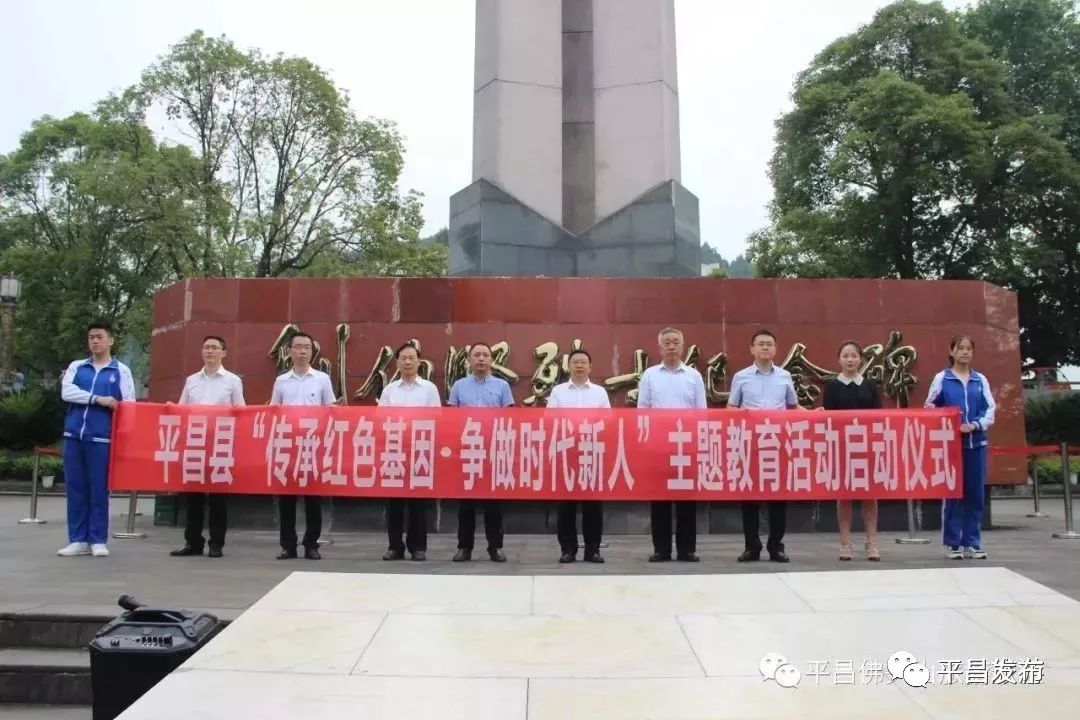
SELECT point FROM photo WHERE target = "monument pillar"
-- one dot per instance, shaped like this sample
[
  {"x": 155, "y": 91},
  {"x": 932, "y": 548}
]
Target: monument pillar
[
  {"x": 517, "y": 101},
  {"x": 575, "y": 144}
]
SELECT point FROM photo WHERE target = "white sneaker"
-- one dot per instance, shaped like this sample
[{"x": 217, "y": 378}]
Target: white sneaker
[
  {"x": 974, "y": 553},
  {"x": 75, "y": 548},
  {"x": 954, "y": 554},
  {"x": 99, "y": 550}
]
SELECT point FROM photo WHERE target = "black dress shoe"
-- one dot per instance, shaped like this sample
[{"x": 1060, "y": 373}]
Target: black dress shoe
[
  {"x": 287, "y": 555},
  {"x": 688, "y": 557},
  {"x": 419, "y": 556},
  {"x": 186, "y": 551},
  {"x": 567, "y": 558},
  {"x": 594, "y": 557},
  {"x": 496, "y": 555},
  {"x": 779, "y": 556},
  {"x": 214, "y": 552},
  {"x": 311, "y": 553},
  {"x": 660, "y": 557},
  {"x": 750, "y": 556},
  {"x": 462, "y": 555},
  {"x": 394, "y": 555}
]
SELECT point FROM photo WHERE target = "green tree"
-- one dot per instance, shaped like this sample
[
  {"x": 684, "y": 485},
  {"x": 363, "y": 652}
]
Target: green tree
[
  {"x": 288, "y": 171},
  {"x": 1038, "y": 41},
  {"x": 908, "y": 156},
  {"x": 439, "y": 237},
  {"x": 88, "y": 210},
  {"x": 718, "y": 272},
  {"x": 709, "y": 254}
]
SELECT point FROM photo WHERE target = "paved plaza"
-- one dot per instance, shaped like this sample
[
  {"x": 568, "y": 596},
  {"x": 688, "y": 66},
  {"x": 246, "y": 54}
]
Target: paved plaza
[
  {"x": 353, "y": 636},
  {"x": 35, "y": 579}
]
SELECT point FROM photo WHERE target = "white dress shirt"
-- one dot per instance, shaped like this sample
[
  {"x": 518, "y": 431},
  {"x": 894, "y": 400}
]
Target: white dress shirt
[
  {"x": 418, "y": 393},
  {"x": 572, "y": 395},
  {"x": 311, "y": 388},
  {"x": 221, "y": 388},
  {"x": 661, "y": 387}
]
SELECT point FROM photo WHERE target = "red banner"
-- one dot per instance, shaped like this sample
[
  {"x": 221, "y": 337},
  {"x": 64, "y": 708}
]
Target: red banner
[{"x": 537, "y": 454}]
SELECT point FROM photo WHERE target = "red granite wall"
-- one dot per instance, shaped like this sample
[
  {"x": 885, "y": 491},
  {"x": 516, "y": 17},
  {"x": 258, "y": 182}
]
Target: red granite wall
[{"x": 613, "y": 317}]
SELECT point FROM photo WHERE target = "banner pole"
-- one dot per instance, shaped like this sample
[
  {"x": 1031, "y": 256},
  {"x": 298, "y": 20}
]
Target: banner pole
[
  {"x": 130, "y": 533},
  {"x": 911, "y": 538},
  {"x": 329, "y": 522},
  {"x": 1069, "y": 533},
  {"x": 34, "y": 519},
  {"x": 1034, "y": 469}
]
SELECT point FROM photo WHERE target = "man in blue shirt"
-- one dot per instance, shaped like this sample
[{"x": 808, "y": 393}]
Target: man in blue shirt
[
  {"x": 480, "y": 389},
  {"x": 763, "y": 386},
  {"x": 91, "y": 388}
]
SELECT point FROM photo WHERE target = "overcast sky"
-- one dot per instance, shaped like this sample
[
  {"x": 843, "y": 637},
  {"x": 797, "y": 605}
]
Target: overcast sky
[{"x": 412, "y": 61}]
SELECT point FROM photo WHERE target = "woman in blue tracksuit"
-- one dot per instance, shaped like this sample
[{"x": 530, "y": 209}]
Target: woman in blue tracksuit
[{"x": 961, "y": 387}]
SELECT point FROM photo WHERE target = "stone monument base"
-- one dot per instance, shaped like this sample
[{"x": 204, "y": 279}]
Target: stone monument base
[{"x": 494, "y": 234}]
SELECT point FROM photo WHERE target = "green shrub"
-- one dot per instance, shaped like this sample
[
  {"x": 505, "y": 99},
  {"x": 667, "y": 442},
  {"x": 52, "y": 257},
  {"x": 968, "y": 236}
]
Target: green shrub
[
  {"x": 1051, "y": 419},
  {"x": 30, "y": 418},
  {"x": 20, "y": 466},
  {"x": 1049, "y": 468}
]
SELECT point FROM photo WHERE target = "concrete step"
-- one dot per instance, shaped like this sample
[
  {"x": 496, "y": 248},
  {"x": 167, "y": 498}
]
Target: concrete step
[
  {"x": 45, "y": 712},
  {"x": 54, "y": 676},
  {"x": 49, "y": 630}
]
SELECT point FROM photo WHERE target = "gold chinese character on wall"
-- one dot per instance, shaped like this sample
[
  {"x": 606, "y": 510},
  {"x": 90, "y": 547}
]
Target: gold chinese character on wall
[
  {"x": 887, "y": 365},
  {"x": 552, "y": 369}
]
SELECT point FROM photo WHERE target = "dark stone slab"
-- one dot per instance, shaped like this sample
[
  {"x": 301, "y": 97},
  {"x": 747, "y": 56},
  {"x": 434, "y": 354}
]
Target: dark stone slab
[{"x": 494, "y": 234}]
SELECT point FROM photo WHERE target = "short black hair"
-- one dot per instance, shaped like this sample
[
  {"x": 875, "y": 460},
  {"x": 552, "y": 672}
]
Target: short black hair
[
  {"x": 406, "y": 346},
  {"x": 215, "y": 337},
  {"x": 100, "y": 325},
  {"x": 480, "y": 343},
  {"x": 301, "y": 334},
  {"x": 759, "y": 333},
  {"x": 579, "y": 351}
]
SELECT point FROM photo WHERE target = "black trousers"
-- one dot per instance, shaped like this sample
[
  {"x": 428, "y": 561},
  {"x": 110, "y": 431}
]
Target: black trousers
[
  {"x": 416, "y": 535},
  {"x": 287, "y": 521},
  {"x": 685, "y": 527},
  {"x": 193, "y": 531},
  {"x": 466, "y": 523},
  {"x": 777, "y": 524},
  {"x": 592, "y": 525}
]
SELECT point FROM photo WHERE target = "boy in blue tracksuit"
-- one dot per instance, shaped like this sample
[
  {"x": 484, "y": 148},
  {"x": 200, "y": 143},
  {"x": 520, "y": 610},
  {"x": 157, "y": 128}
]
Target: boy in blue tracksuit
[
  {"x": 91, "y": 388},
  {"x": 961, "y": 387}
]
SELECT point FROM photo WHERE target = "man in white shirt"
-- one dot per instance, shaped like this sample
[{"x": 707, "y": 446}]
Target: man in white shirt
[
  {"x": 303, "y": 385},
  {"x": 410, "y": 390},
  {"x": 213, "y": 385},
  {"x": 672, "y": 384},
  {"x": 580, "y": 392}
]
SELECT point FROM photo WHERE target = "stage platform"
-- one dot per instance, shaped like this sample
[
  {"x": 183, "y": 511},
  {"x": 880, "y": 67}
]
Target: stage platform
[{"x": 346, "y": 645}]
